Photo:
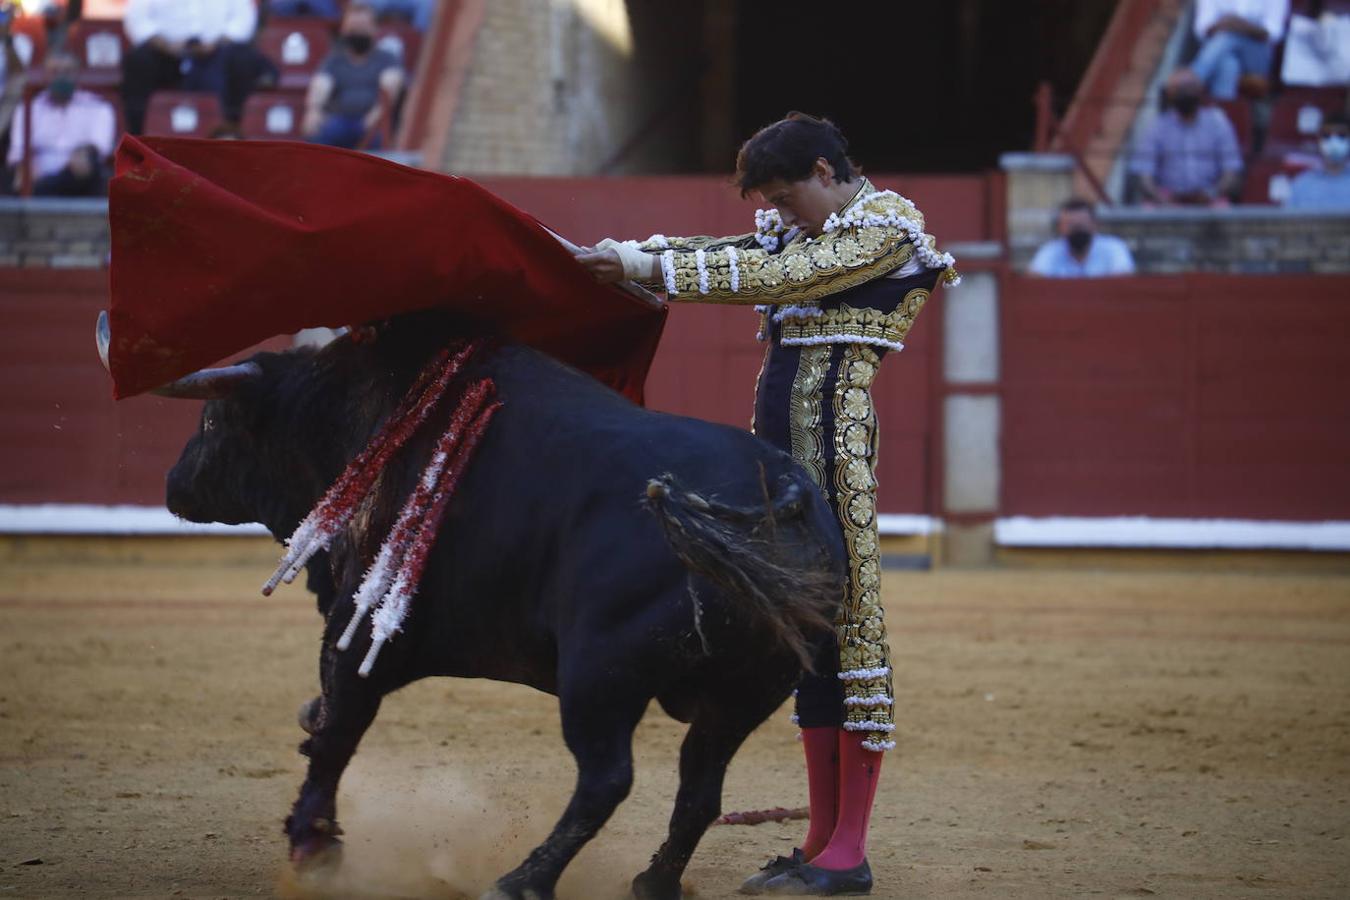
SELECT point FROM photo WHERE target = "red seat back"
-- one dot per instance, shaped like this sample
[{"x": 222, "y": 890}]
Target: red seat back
[
  {"x": 99, "y": 45},
  {"x": 274, "y": 116},
  {"x": 1297, "y": 113},
  {"x": 29, "y": 37},
  {"x": 297, "y": 46},
  {"x": 182, "y": 114},
  {"x": 403, "y": 41}
]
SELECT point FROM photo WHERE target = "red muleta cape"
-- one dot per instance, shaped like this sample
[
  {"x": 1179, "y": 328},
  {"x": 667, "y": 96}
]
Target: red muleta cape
[{"x": 218, "y": 245}]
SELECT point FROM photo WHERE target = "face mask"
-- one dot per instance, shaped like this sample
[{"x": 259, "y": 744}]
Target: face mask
[
  {"x": 360, "y": 44},
  {"x": 1079, "y": 239},
  {"x": 1186, "y": 104},
  {"x": 62, "y": 88},
  {"x": 1336, "y": 147}
]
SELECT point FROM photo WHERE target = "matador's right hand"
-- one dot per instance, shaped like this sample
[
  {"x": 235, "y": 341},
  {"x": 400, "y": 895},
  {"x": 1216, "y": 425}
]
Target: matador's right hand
[{"x": 613, "y": 261}]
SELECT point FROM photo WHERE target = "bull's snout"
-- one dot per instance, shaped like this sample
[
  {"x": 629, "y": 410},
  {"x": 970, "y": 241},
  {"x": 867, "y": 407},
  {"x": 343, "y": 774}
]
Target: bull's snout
[{"x": 178, "y": 494}]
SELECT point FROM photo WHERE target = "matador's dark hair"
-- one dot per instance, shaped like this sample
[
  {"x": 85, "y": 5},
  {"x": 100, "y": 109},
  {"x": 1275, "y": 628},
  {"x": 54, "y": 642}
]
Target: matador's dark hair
[{"x": 789, "y": 148}]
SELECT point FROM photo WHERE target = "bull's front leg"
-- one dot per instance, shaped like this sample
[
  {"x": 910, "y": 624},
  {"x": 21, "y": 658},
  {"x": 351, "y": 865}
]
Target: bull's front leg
[{"x": 347, "y": 707}]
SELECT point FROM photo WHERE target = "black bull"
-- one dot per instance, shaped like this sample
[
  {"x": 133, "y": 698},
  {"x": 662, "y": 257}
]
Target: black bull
[{"x": 560, "y": 564}]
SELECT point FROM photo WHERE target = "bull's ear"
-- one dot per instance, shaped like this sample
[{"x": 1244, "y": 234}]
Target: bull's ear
[{"x": 211, "y": 384}]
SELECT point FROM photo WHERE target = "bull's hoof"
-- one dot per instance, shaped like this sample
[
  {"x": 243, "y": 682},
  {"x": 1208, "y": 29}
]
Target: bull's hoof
[
  {"x": 316, "y": 855},
  {"x": 309, "y": 715},
  {"x": 645, "y": 887}
]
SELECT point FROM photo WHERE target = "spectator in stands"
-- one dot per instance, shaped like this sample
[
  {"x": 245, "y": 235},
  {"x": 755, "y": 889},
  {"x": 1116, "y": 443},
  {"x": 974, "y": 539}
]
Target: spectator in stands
[
  {"x": 191, "y": 45},
  {"x": 1329, "y": 188},
  {"x": 1238, "y": 38},
  {"x": 73, "y": 134},
  {"x": 1190, "y": 154},
  {"x": 1079, "y": 251},
  {"x": 323, "y": 9},
  {"x": 11, "y": 77},
  {"x": 343, "y": 106}
]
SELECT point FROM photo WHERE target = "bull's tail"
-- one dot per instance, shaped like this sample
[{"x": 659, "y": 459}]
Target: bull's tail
[{"x": 766, "y": 563}]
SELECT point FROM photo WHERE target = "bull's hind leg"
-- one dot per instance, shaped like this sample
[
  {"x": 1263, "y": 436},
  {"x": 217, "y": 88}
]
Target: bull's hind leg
[
  {"x": 598, "y": 728},
  {"x": 348, "y": 706},
  {"x": 712, "y": 740}
]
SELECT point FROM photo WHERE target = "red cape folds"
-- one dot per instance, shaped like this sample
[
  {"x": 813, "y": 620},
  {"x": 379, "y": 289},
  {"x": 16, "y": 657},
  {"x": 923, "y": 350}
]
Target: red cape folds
[{"x": 218, "y": 245}]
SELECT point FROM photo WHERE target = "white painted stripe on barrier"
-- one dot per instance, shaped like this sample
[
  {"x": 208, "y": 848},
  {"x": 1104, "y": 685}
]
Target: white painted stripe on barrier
[
  {"x": 1014, "y": 531},
  {"x": 80, "y": 518},
  {"x": 906, "y": 523},
  {"x": 1143, "y": 531}
]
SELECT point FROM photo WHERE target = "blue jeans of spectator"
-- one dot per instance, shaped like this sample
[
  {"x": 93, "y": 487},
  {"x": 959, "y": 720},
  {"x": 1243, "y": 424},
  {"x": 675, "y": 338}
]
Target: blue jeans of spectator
[
  {"x": 416, "y": 11},
  {"x": 327, "y": 9},
  {"x": 344, "y": 131},
  {"x": 67, "y": 184},
  {"x": 1225, "y": 57}
]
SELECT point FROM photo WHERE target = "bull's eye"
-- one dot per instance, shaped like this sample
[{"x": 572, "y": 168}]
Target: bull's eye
[{"x": 208, "y": 424}]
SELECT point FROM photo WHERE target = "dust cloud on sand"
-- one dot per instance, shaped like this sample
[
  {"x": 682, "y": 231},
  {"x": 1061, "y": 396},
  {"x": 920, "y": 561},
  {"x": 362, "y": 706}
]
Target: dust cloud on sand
[{"x": 434, "y": 834}]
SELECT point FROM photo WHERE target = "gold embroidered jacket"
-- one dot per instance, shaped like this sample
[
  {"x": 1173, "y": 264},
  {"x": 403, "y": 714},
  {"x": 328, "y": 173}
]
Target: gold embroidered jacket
[
  {"x": 877, "y": 234},
  {"x": 874, "y": 234}
]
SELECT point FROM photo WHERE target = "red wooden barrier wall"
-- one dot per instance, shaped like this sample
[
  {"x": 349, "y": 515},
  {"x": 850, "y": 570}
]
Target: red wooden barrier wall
[
  {"x": 1191, "y": 396},
  {"x": 66, "y": 441}
]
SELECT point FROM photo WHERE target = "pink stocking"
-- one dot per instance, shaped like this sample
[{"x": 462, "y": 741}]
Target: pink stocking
[
  {"x": 859, "y": 772},
  {"x": 822, "y": 783}
]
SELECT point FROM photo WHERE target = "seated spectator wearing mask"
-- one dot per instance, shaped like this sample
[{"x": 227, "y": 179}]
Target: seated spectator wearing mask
[
  {"x": 343, "y": 104},
  {"x": 191, "y": 45},
  {"x": 1328, "y": 189},
  {"x": 73, "y": 134},
  {"x": 1079, "y": 251},
  {"x": 1190, "y": 153},
  {"x": 1238, "y": 37}
]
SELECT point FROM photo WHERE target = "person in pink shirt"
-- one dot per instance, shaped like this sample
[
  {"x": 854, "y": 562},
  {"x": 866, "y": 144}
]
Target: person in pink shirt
[{"x": 73, "y": 134}]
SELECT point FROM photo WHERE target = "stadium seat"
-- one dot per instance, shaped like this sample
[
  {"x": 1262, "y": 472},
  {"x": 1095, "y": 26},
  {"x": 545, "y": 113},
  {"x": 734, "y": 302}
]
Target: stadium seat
[
  {"x": 1260, "y": 178},
  {"x": 182, "y": 114},
  {"x": 99, "y": 45},
  {"x": 403, "y": 41},
  {"x": 297, "y": 46},
  {"x": 1296, "y": 115},
  {"x": 274, "y": 116},
  {"x": 1239, "y": 113},
  {"x": 28, "y": 35}
]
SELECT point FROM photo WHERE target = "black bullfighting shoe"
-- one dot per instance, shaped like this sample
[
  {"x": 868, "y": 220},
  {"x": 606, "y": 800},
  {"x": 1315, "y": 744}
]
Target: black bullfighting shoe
[
  {"x": 813, "y": 881},
  {"x": 772, "y": 869}
]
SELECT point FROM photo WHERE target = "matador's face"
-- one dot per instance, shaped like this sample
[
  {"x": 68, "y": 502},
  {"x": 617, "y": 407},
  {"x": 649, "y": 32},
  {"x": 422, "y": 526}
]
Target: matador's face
[{"x": 807, "y": 203}]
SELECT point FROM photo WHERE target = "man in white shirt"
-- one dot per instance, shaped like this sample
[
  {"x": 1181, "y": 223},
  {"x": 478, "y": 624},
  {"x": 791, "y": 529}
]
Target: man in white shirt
[
  {"x": 73, "y": 133},
  {"x": 1080, "y": 252},
  {"x": 192, "y": 45},
  {"x": 1237, "y": 38}
]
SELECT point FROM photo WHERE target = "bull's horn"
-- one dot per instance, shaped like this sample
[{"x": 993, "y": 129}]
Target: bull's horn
[
  {"x": 210, "y": 384},
  {"x": 103, "y": 337}
]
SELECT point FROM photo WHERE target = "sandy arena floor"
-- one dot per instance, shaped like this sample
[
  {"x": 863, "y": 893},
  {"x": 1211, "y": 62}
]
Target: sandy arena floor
[{"x": 1064, "y": 733}]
